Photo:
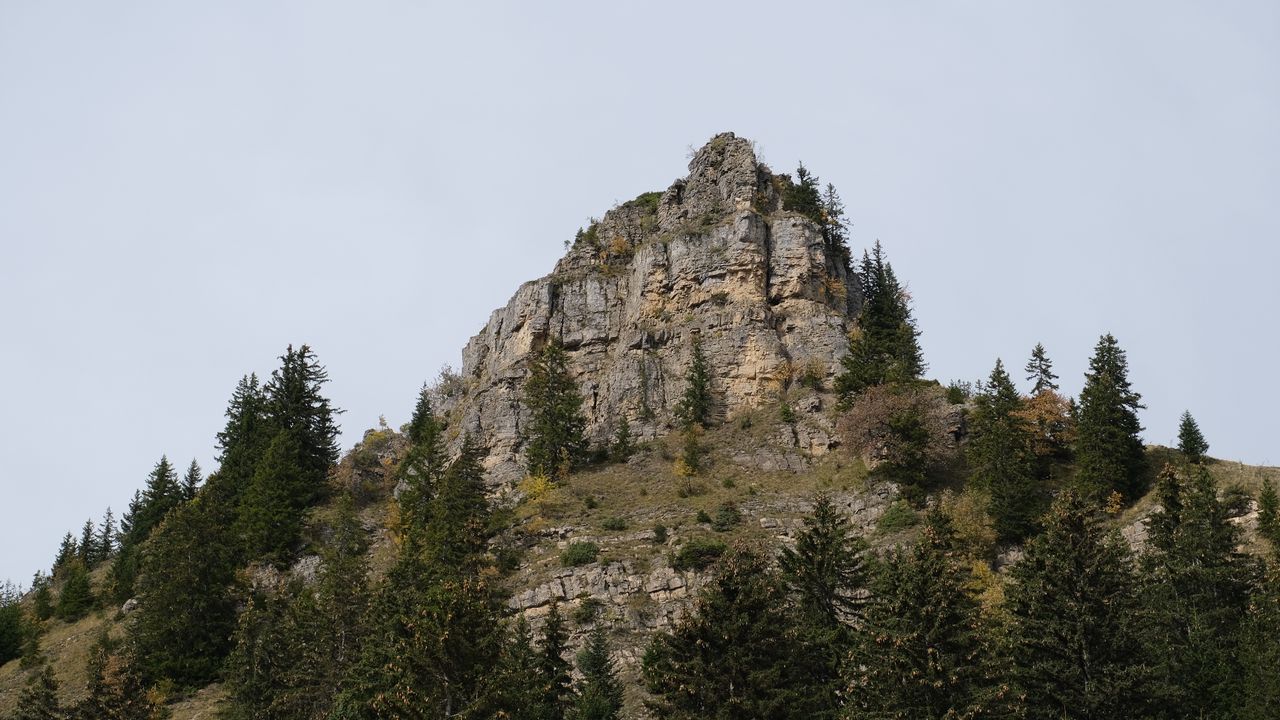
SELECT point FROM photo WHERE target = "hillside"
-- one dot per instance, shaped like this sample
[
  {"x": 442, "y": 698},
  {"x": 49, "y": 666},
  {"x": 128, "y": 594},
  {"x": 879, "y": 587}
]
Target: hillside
[{"x": 733, "y": 268}]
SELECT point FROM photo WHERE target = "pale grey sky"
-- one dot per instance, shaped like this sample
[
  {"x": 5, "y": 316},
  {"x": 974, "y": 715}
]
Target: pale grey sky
[{"x": 186, "y": 188}]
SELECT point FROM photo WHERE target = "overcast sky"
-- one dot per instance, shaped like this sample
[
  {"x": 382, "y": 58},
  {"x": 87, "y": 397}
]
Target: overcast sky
[{"x": 187, "y": 188}]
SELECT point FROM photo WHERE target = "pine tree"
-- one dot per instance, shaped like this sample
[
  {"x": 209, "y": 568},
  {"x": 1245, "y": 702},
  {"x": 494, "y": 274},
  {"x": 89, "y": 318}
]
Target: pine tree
[
  {"x": 885, "y": 346},
  {"x": 1110, "y": 455},
  {"x": 39, "y": 698},
  {"x": 552, "y": 667},
  {"x": 161, "y": 494},
  {"x": 598, "y": 695},
  {"x": 191, "y": 481},
  {"x": 272, "y": 634},
  {"x": 1195, "y": 590},
  {"x": 695, "y": 404},
  {"x": 1269, "y": 514},
  {"x": 107, "y": 534},
  {"x": 12, "y": 630},
  {"x": 116, "y": 689},
  {"x": 1040, "y": 370},
  {"x": 921, "y": 654},
  {"x": 1191, "y": 442},
  {"x": 556, "y": 444},
  {"x": 623, "y": 447},
  {"x": 67, "y": 552},
  {"x": 835, "y": 227},
  {"x": 273, "y": 505},
  {"x": 737, "y": 654},
  {"x": 999, "y": 454},
  {"x": 187, "y": 610},
  {"x": 76, "y": 598},
  {"x": 516, "y": 691},
  {"x": 458, "y": 534},
  {"x": 42, "y": 596},
  {"x": 296, "y": 405},
  {"x": 1076, "y": 644},
  {"x": 422, "y": 468}
]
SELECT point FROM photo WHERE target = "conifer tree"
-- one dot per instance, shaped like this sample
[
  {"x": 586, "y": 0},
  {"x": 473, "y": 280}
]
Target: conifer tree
[
  {"x": 39, "y": 698},
  {"x": 270, "y": 642},
  {"x": 458, "y": 534},
  {"x": 422, "y": 468},
  {"x": 552, "y": 666},
  {"x": 1076, "y": 642},
  {"x": 885, "y": 346},
  {"x": 186, "y": 611},
  {"x": 295, "y": 405},
  {"x": 67, "y": 552},
  {"x": 598, "y": 695},
  {"x": 1110, "y": 455},
  {"x": 88, "y": 545},
  {"x": 835, "y": 227},
  {"x": 622, "y": 447},
  {"x": 1195, "y": 590},
  {"x": 737, "y": 654},
  {"x": 161, "y": 494},
  {"x": 107, "y": 534},
  {"x": 556, "y": 444},
  {"x": 1191, "y": 442},
  {"x": 1040, "y": 371},
  {"x": 273, "y": 505},
  {"x": 12, "y": 630},
  {"x": 1269, "y": 514},
  {"x": 999, "y": 453},
  {"x": 920, "y": 654},
  {"x": 695, "y": 404},
  {"x": 192, "y": 480},
  {"x": 1258, "y": 695},
  {"x": 42, "y": 596},
  {"x": 76, "y": 598},
  {"x": 242, "y": 442},
  {"x": 516, "y": 691},
  {"x": 803, "y": 195},
  {"x": 116, "y": 689},
  {"x": 825, "y": 570}
]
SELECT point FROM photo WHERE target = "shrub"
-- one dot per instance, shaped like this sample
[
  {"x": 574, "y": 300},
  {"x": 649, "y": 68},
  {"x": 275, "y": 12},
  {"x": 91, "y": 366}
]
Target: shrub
[
  {"x": 727, "y": 517},
  {"x": 614, "y": 524},
  {"x": 1236, "y": 500},
  {"x": 590, "y": 502},
  {"x": 587, "y": 610},
  {"x": 702, "y": 517},
  {"x": 697, "y": 554},
  {"x": 959, "y": 392},
  {"x": 898, "y": 516},
  {"x": 659, "y": 534},
  {"x": 579, "y": 553},
  {"x": 729, "y": 483}
]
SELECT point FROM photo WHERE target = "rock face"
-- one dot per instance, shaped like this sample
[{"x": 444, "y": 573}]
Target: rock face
[{"x": 714, "y": 256}]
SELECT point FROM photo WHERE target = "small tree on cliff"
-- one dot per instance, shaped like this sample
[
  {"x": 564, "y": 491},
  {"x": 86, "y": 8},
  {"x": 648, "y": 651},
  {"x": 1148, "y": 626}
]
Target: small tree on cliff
[
  {"x": 556, "y": 442},
  {"x": 1191, "y": 442},
  {"x": 885, "y": 346}
]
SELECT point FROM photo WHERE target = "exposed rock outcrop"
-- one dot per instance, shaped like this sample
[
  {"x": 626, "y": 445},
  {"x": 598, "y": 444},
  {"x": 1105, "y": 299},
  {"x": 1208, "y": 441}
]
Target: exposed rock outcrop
[{"x": 715, "y": 256}]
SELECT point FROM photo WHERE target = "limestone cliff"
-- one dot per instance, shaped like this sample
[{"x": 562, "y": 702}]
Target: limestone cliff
[{"x": 714, "y": 255}]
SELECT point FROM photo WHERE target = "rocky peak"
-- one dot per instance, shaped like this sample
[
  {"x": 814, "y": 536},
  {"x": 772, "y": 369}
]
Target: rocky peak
[{"x": 713, "y": 255}]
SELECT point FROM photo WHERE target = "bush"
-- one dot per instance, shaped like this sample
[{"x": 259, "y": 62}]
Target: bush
[
  {"x": 1236, "y": 500},
  {"x": 702, "y": 517},
  {"x": 579, "y": 553},
  {"x": 898, "y": 516},
  {"x": 697, "y": 554},
  {"x": 659, "y": 534},
  {"x": 587, "y": 610},
  {"x": 727, "y": 517},
  {"x": 614, "y": 524},
  {"x": 959, "y": 392}
]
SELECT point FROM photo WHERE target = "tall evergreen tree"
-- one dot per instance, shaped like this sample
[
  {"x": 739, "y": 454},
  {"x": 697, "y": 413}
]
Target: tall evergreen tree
[
  {"x": 598, "y": 695},
  {"x": 885, "y": 346},
  {"x": 556, "y": 443},
  {"x": 1191, "y": 442},
  {"x": 921, "y": 655},
  {"x": 1259, "y": 693},
  {"x": 67, "y": 552},
  {"x": 187, "y": 609},
  {"x": 422, "y": 468},
  {"x": 107, "y": 535},
  {"x": 42, "y": 596},
  {"x": 516, "y": 691},
  {"x": 12, "y": 630},
  {"x": 999, "y": 453},
  {"x": 1196, "y": 589},
  {"x": 1269, "y": 514},
  {"x": 296, "y": 405},
  {"x": 1040, "y": 371},
  {"x": 804, "y": 196},
  {"x": 552, "y": 666},
  {"x": 39, "y": 698},
  {"x": 825, "y": 570},
  {"x": 738, "y": 654},
  {"x": 116, "y": 689},
  {"x": 694, "y": 408},
  {"x": 161, "y": 494},
  {"x": 273, "y": 505},
  {"x": 1076, "y": 640},
  {"x": 1110, "y": 455},
  {"x": 242, "y": 442},
  {"x": 192, "y": 480},
  {"x": 76, "y": 598},
  {"x": 88, "y": 545},
  {"x": 835, "y": 227}
]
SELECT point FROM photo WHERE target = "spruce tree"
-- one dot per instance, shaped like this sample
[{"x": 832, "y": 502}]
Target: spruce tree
[
  {"x": 737, "y": 654},
  {"x": 1195, "y": 588},
  {"x": 835, "y": 227},
  {"x": 67, "y": 552},
  {"x": 296, "y": 405},
  {"x": 76, "y": 598},
  {"x": 88, "y": 545},
  {"x": 999, "y": 454},
  {"x": 42, "y": 596},
  {"x": 242, "y": 442},
  {"x": 623, "y": 447},
  {"x": 1259, "y": 656},
  {"x": 803, "y": 195},
  {"x": 555, "y": 441},
  {"x": 270, "y": 642},
  {"x": 1110, "y": 455},
  {"x": 1076, "y": 646},
  {"x": 116, "y": 688},
  {"x": 39, "y": 698},
  {"x": 552, "y": 667},
  {"x": 107, "y": 536},
  {"x": 920, "y": 654},
  {"x": 825, "y": 570},
  {"x": 273, "y": 505},
  {"x": 192, "y": 480},
  {"x": 458, "y": 535},
  {"x": 694, "y": 408},
  {"x": 1040, "y": 371},
  {"x": 161, "y": 494},
  {"x": 421, "y": 471},
  {"x": 1269, "y": 514},
  {"x": 885, "y": 345},
  {"x": 12, "y": 623},
  {"x": 516, "y": 690},
  {"x": 598, "y": 695},
  {"x": 1191, "y": 442},
  {"x": 187, "y": 609}
]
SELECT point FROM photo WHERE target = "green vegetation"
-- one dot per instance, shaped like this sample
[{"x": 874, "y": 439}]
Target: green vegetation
[
  {"x": 697, "y": 554},
  {"x": 579, "y": 553},
  {"x": 885, "y": 347},
  {"x": 1109, "y": 452},
  {"x": 555, "y": 443},
  {"x": 1191, "y": 442}
]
